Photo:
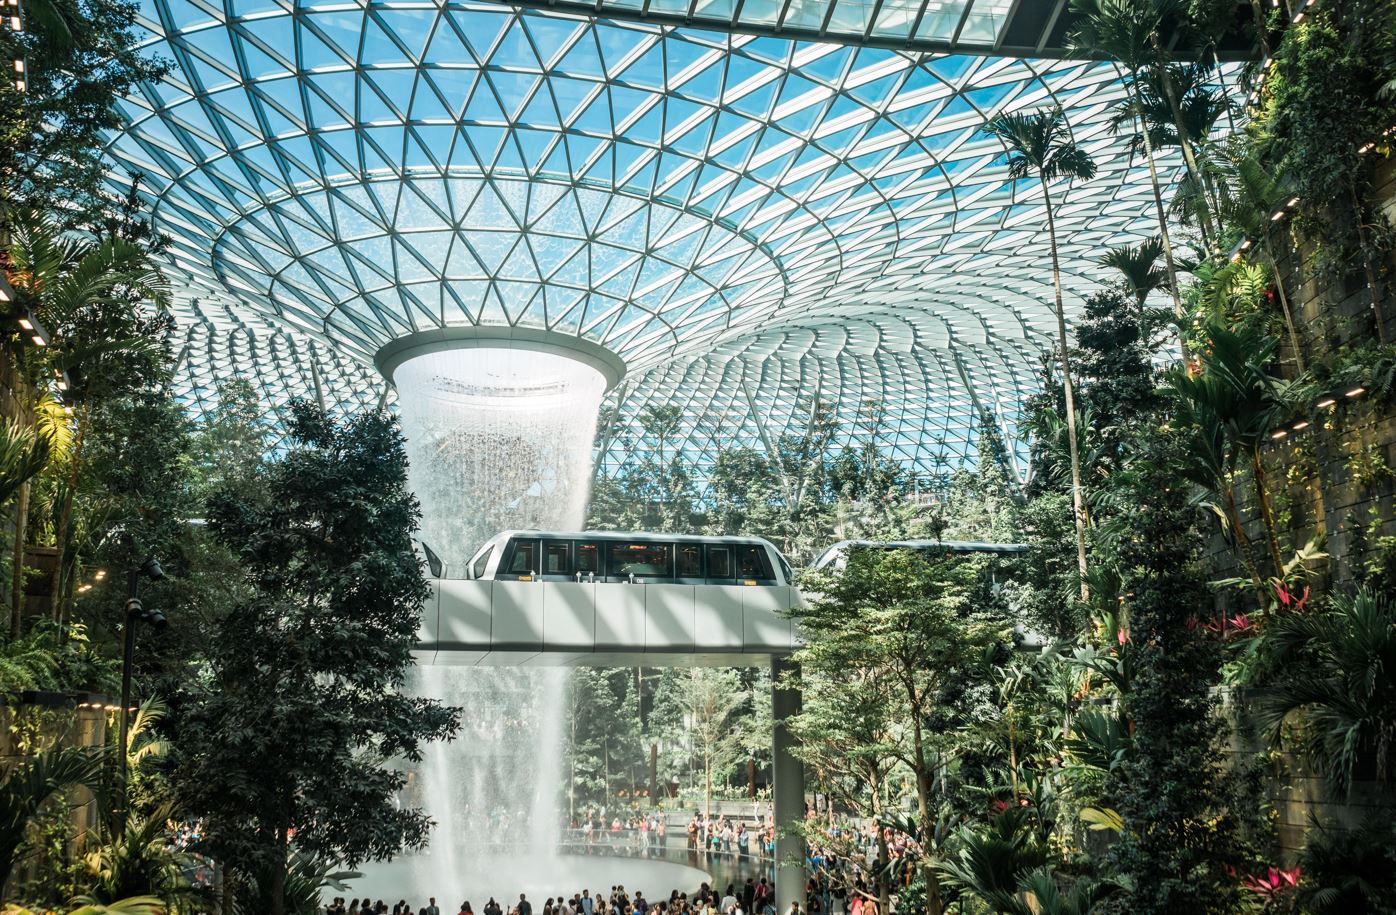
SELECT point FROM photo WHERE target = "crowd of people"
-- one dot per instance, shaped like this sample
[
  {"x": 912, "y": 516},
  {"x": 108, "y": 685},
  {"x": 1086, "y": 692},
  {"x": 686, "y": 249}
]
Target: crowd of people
[
  {"x": 754, "y": 897},
  {"x": 726, "y": 836},
  {"x": 720, "y": 835},
  {"x": 841, "y": 854}
]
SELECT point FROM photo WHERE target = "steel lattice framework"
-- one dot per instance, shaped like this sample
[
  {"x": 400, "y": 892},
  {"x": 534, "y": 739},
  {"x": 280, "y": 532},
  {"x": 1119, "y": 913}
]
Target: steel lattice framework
[{"x": 749, "y": 222}]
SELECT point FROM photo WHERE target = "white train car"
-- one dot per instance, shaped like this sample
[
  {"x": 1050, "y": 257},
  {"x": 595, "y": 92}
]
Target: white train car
[
  {"x": 629, "y": 558},
  {"x": 835, "y": 557}
]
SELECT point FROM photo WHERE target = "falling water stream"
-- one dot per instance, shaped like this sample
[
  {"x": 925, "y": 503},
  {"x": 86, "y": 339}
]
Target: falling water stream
[{"x": 497, "y": 439}]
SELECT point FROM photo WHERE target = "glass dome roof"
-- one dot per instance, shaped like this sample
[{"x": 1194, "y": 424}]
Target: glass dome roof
[{"x": 748, "y": 222}]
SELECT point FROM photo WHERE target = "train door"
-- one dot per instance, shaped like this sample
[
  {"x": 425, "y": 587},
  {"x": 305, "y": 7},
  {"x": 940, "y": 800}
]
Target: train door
[
  {"x": 557, "y": 560},
  {"x": 588, "y": 561},
  {"x": 720, "y": 564},
  {"x": 688, "y": 563}
]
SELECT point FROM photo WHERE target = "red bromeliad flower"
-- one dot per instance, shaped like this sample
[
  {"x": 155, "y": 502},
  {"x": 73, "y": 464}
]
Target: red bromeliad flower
[
  {"x": 1287, "y": 597},
  {"x": 1122, "y": 636},
  {"x": 1228, "y": 627},
  {"x": 1274, "y": 883}
]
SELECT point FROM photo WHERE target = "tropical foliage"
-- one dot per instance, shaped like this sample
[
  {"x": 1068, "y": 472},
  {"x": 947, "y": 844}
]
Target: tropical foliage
[{"x": 1037, "y": 733}]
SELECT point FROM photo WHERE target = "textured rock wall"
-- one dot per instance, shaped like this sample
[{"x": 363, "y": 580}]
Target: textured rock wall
[{"x": 1334, "y": 483}]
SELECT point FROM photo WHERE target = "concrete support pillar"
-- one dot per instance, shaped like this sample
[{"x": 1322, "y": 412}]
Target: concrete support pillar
[{"x": 787, "y": 793}]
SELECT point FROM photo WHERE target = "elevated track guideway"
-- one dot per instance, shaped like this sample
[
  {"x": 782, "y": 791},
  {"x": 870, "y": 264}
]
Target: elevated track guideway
[{"x": 605, "y": 624}]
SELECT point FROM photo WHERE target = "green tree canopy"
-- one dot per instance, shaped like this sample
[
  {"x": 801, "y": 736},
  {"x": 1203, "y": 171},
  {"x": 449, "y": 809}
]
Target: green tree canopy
[{"x": 304, "y": 701}]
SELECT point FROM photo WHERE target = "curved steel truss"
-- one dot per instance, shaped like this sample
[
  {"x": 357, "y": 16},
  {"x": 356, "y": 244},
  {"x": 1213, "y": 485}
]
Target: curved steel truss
[{"x": 748, "y": 222}]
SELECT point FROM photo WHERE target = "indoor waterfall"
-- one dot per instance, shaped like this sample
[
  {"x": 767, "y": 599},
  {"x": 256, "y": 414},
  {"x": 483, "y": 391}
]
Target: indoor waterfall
[{"x": 497, "y": 439}]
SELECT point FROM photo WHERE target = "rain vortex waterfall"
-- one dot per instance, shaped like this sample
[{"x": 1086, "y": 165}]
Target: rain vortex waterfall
[{"x": 497, "y": 439}]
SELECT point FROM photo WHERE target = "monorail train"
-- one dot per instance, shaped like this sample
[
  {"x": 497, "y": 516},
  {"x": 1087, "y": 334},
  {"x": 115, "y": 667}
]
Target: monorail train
[
  {"x": 836, "y": 556},
  {"x": 633, "y": 558}
]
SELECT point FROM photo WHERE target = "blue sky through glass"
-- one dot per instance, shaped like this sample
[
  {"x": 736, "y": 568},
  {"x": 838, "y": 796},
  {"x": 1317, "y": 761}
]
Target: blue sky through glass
[{"x": 744, "y": 220}]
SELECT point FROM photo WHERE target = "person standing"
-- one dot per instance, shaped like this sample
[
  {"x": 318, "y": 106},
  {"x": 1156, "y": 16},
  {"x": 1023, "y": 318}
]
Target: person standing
[
  {"x": 524, "y": 907},
  {"x": 588, "y": 904},
  {"x": 432, "y": 908}
]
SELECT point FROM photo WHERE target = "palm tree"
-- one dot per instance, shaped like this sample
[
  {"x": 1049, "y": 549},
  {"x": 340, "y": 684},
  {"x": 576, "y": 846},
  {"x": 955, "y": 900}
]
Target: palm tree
[
  {"x": 26, "y": 788},
  {"x": 1040, "y": 893},
  {"x": 1180, "y": 106},
  {"x": 1236, "y": 397},
  {"x": 1340, "y": 676},
  {"x": 1125, "y": 30},
  {"x": 1039, "y": 145},
  {"x": 1212, "y": 457},
  {"x": 139, "y": 860},
  {"x": 1139, "y": 267},
  {"x": 988, "y": 862},
  {"x": 81, "y": 290},
  {"x": 1251, "y": 195}
]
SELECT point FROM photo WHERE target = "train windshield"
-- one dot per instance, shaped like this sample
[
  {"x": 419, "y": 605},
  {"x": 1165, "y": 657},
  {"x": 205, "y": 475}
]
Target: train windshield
[
  {"x": 752, "y": 562},
  {"x": 482, "y": 563}
]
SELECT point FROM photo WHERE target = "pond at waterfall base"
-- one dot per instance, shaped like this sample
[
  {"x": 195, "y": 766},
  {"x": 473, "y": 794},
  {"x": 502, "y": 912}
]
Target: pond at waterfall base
[{"x": 504, "y": 874}]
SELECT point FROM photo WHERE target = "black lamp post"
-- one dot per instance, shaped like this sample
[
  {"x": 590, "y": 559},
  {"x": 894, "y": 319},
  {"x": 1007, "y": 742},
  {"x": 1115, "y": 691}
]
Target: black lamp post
[{"x": 135, "y": 613}]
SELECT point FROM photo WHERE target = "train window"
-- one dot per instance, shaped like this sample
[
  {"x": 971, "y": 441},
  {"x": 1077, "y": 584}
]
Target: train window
[
  {"x": 752, "y": 562},
  {"x": 523, "y": 560},
  {"x": 588, "y": 558},
  {"x": 719, "y": 562},
  {"x": 482, "y": 563},
  {"x": 690, "y": 560},
  {"x": 557, "y": 558},
  {"x": 650, "y": 560}
]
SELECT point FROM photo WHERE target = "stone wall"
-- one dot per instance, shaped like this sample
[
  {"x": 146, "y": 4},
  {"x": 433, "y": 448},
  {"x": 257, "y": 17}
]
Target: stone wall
[
  {"x": 1297, "y": 794},
  {"x": 1333, "y": 483}
]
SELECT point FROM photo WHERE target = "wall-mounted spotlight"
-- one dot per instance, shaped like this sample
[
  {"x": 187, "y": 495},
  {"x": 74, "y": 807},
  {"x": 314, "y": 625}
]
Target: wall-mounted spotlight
[{"x": 35, "y": 331}]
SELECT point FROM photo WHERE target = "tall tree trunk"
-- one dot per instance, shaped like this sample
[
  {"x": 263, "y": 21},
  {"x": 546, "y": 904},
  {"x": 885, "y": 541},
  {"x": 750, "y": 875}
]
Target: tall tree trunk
[
  {"x": 884, "y": 886},
  {"x": 1158, "y": 202},
  {"x": 1368, "y": 268},
  {"x": 1244, "y": 542},
  {"x": 65, "y": 518},
  {"x": 17, "y": 558},
  {"x": 708, "y": 787},
  {"x": 1262, "y": 491},
  {"x": 1069, "y": 390},
  {"x": 278, "y": 872},
  {"x": 1209, "y": 233},
  {"x": 934, "y": 906},
  {"x": 1012, "y": 758},
  {"x": 1284, "y": 302},
  {"x": 654, "y": 774}
]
